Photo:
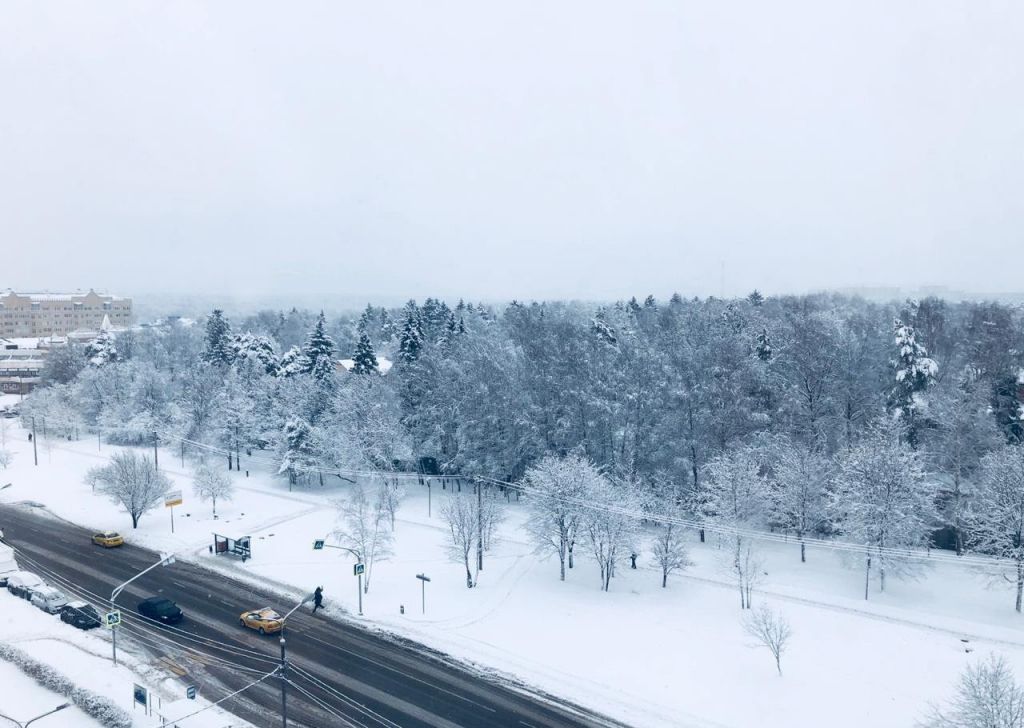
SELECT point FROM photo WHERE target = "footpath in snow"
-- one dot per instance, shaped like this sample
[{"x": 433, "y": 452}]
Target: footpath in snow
[{"x": 645, "y": 655}]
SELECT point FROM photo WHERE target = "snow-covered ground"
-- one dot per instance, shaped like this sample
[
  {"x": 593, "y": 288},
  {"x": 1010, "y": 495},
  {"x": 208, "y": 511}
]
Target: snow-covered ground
[{"x": 647, "y": 655}]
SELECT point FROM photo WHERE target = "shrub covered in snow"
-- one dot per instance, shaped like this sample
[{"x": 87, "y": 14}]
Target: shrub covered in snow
[{"x": 92, "y": 704}]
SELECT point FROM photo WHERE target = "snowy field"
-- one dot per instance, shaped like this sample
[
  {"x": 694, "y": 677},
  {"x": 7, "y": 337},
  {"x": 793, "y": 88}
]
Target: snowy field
[{"x": 649, "y": 656}]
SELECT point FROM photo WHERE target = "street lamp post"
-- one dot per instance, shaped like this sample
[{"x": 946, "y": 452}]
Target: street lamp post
[
  {"x": 29, "y": 722},
  {"x": 284, "y": 662},
  {"x": 423, "y": 583},
  {"x": 320, "y": 544},
  {"x": 165, "y": 560}
]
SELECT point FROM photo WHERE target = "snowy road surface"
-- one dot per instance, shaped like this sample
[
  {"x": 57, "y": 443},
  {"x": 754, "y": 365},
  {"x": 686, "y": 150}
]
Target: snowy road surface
[{"x": 338, "y": 670}]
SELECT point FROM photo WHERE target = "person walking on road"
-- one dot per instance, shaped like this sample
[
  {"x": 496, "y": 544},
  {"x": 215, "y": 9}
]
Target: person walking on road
[{"x": 318, "y": 599}]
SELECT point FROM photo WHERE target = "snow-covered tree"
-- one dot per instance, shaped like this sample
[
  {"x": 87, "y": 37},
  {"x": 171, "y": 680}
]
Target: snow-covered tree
[
  {"x": 764, "y": 345},
  {"x": 771, "y": 629},
  {"x": 464, "y": 515},
  {"x": 391, "y": 495},
  {"x": 133, "y": 482},
  {"x": 297, "y": 454},
  {"x": 218, "y": 348},
  {"x": 669, "y": 550},
  {"x": 319, "y": 345},
  {"x": 557, "y": 489},
  {"x": 364, "y": 361},
  {"x": 736, "y": 497},
  {"x": 211, "y": 484},
  {"x": 915, "y": 371},
  {"x": 996, "y": 520},
  {"x": 800, "y": 493},
  {"x": 609, "y": 525},
  {"x": 6, "y": 458},
  {"x": 988, "y": 696},
  {"x": 292, "y": 363},
  {"x": 962, "y": 431},
  {"x": 411, "y": 340},
  {"x": 362, "y": 528},
  {"x": 101, "y": 350},
  {"x": 257, "y": 349},
  {"x": 882, "y": 499}
]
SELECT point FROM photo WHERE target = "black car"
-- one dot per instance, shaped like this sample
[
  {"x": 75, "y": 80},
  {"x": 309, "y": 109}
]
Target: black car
[
  {"x": 160, "y": 610},
  {"x": 80, "y": 614}
]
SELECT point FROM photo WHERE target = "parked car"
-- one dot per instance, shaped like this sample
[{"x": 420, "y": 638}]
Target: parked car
[
  {"x": 48, "y": 599},
  {"x": 7, "y": 563},
  {"x": 108, "y": 539},
  {"x": 264, "y": 621},
  {"x": 23, "y": 583},
  {"x": 160, "y": 609},
  {"x": 80, "y": 615}
]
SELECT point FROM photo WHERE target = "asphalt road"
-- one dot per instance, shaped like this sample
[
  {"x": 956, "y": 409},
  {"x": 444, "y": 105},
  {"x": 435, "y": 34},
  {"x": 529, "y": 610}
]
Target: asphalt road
[{"x": 339, "y": 673}]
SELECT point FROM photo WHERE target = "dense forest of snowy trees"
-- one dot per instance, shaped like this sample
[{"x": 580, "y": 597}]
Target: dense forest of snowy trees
[{"x": 892, "y": 426}]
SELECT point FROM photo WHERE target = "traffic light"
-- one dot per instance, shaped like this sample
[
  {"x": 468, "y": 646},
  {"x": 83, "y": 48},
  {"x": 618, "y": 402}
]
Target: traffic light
[{"x": 318, "y": 544}]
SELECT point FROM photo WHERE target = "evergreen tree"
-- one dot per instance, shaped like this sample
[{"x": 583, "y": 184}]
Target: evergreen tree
[
  {"x": 218, "y": 349},
  {"x": 319, "y": 344},
  {"x": 296, "y": 450},
  {"x": 764, "y": 346},
  {"x": 364, "y": 360},
  {"x": 411, "y": 341},
  {"x": 293, "y": 362},
  {"x": 755, "y": 298},
  {"x": 101, "y": 350},
  {"x": 676, "y": 300},
  {"x": 387, "y": 326},
  {"x": 914, "y": 373}
]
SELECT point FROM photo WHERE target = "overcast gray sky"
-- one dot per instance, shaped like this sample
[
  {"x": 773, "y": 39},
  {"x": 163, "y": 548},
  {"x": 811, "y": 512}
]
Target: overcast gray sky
[{"x": 525, "y": 149}]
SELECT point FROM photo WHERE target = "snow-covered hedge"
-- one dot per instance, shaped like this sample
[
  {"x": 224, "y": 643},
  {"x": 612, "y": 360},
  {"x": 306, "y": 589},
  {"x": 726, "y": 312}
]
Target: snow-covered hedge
[{"x": 96, "y": 706}]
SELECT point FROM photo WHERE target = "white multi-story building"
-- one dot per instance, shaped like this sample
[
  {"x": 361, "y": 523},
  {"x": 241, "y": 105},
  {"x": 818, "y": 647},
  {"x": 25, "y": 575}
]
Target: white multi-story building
[{"x": 59, "y": 314}]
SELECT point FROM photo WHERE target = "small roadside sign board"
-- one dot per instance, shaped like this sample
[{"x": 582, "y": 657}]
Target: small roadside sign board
[
  {"x": 139, "y": 694},
  {"x": 423, "y": 577},
  {"x": 358, "y": 569},
  {"x": 318, "y": 544},
  {"x": 173, "y": 498},
  {"x": 191, "y": 691},
  {"x": 112, "y": 619}
]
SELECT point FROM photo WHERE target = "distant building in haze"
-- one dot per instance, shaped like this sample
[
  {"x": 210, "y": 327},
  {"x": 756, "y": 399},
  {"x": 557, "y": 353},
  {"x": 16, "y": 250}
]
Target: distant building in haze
[{"x": 60, "y": 314}]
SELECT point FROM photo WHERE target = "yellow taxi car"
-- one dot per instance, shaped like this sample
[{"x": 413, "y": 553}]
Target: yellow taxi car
[
  {"x": 264, "y": 621},
  {"x": 108, "y": 539}
]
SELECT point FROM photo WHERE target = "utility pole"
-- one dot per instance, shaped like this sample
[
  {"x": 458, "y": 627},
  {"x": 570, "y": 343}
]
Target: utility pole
[
  {"x": 284, "y": 685},
  {"x": 423, "y": 583},
  {"x": 182, "y": 453},
  {"x": 156, "y": 458},
  {"x": 867, "y": 578},
  {"x": 99, "y": 442},
  {"x": 428, "y": 497},
  {"x": 479, "y": 526},
  {"x": 35, "y": 452}
]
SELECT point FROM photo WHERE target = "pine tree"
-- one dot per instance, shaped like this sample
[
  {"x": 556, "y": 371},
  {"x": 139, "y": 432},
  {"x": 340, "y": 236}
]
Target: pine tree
[
  {"x": 101, "y": 350},
  {"x": 764, "y": 346},
  {"x": 218, "y": 340},
  {"x": 411, "y": 341},
  {"x": 755, "y": 298},
  {"x": 297, "y": 450},
  {"x": 387, "y": 326},
  {"x": 364, "y": 361},
  {"x": 319, "y": 344},
  {"x": 914, "y": 373},
  {"x": 293, "y": 362},
  {"x": 676, "y": 300}
]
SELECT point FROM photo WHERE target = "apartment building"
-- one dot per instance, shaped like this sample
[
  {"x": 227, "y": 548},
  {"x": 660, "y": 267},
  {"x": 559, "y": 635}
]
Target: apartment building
[{"x": 59, "y": 314}]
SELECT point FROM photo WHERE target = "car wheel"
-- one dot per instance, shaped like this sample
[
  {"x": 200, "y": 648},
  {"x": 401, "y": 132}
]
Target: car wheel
[
  {"x": 241, "y": 622},
  {"x": 262, "y": 631}
]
